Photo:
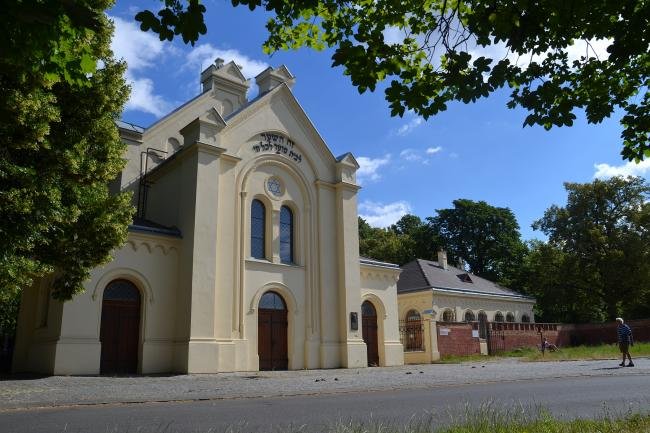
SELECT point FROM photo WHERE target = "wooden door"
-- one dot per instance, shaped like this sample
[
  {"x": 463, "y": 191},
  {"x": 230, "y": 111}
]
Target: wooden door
[
  {"x": 272, "y": 328},
  {"x": 120, "y": 328},
  {"x": 369, "y": 332}
]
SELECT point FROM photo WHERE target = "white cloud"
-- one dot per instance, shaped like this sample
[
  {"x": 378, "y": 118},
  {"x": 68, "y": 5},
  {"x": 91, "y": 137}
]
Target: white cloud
[
  {"x": 580, "y": 48},
  {"x": 205, "y": 54},
  {"x": 433, "y": 150},
  {"x": 630, "y": 168},
  {"x": 412, "y": 155},
  {"x": 369, "y": 167},
  {"x": 408, "y": 127},
  {"x": 140, "y": 50},
  {"x": 383, "y": 215},
  {"x": 143, "y": 98}
]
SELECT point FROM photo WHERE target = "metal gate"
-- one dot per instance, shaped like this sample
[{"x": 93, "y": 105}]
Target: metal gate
[{"x": 496, "y": 340}]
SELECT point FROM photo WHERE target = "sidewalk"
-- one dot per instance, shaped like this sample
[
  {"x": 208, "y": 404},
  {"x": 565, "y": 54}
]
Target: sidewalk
[{"x": 32, "y": 392}]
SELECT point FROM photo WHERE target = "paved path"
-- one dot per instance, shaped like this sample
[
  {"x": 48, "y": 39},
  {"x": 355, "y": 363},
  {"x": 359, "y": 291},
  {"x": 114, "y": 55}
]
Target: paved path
[
  {"x": 79, "y": 390},
  {"x": 564, "y": 397}
]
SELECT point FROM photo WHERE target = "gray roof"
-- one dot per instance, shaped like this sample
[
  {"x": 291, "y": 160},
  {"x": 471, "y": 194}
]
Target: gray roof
[
  {"x": 147, "y": 226},
  {"x": 425, "y": 274},
  {"x": 372, "y": 262},
  {"x": 129, "y": 126}
]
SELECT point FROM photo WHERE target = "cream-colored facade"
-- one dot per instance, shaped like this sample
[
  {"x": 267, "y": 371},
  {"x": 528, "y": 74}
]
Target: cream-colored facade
[
  {"x": 438, "y": 292},
  {"x": 190, "y": 251}
]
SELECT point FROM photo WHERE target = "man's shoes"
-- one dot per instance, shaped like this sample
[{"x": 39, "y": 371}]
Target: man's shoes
[
  {"x": 622, "y": 364},
  {"x": 631, "y": 364}
]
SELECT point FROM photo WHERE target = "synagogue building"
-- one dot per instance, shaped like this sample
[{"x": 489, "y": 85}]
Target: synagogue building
[{"x": 243, "y": 256}]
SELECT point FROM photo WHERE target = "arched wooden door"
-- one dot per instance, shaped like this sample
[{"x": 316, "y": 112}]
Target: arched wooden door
[
  {"x": 120, "y": 328},
  {"x": 272, "y": 333},
  {"x": 369, "y": 332}
]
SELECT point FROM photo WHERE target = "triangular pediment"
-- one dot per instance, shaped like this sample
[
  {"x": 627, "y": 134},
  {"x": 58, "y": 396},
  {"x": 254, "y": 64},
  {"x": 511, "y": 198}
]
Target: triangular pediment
[
  {"x": 283, "y": 94},
  {"x": 213, "y": 116},
  {"x": 231, "y": 72},
  {"x": 348, "y": 159},
  {"x": 284, "y": 72}
]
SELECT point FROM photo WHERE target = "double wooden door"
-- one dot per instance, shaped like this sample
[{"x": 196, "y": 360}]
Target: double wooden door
[
  {"x": 369, "y": 332},
  {"x": 120, "y": 328},
  {"x": 272, "y": 333}
]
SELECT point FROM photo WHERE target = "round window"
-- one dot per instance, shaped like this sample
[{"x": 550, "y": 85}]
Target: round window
[{"x": 274, "y": 186}]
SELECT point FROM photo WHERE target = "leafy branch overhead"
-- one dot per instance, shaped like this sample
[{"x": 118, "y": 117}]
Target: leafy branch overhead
[{"x": 451, "y": 50}]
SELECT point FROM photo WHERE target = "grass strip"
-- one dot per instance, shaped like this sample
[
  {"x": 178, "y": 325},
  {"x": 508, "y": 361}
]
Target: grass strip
[{"x": 578, "y": 353}]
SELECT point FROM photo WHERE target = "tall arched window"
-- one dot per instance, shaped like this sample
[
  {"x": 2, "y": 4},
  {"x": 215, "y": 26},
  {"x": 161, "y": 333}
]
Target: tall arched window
[
  {"x": 469, "y": 316},
  {"x": 286, "y": 235},
  {"x": 412, "y": 332},
  {"x": 448, "y": 316},
  {"x": 258, "y": 229},
  {"x": 482, "y": 324},
  {"x": 510, "y": 317},
  {"x": 525, "y": 318},
  {"x": 498, "y": 317}
]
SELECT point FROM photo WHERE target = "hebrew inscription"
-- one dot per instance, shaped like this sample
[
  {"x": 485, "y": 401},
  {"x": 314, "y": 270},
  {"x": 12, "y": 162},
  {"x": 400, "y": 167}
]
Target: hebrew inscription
[{"x": 278, "y": 144}]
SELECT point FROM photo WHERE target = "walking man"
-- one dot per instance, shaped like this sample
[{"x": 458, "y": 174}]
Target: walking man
[{"x": 624, "y": 341}]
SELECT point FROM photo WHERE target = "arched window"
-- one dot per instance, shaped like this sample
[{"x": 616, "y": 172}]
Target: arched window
[
  {"x": 510, "y": 317},
  {"x": 258, "y": 230},
  {"x": 469, "y": 316},
  {"x": 286, "y": 235},
  {"x": 272, "y": 301},
  {"x": 411, "y": 332},
  {"x": 498, "y": 317},
  {"x": 413, "y": 316},
  {"x": 367, "y": 309},
  {"x": 482, "y": 324},
  {"x": 525, "y": 318},
  {"x": 448, "y": 316}
]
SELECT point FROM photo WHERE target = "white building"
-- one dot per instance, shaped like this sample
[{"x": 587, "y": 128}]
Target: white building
[{"x": 244, "y": 254}]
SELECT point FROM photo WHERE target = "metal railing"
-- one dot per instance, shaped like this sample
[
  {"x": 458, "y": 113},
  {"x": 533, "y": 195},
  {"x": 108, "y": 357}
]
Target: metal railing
[{"x": 411, "y": 334}]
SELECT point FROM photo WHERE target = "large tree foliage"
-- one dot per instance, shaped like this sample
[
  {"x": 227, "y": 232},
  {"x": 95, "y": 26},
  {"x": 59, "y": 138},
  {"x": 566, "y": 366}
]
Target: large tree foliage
[
  {"x": 561, "y": 288},
  {"x": 486, "y": 237},
  {"x": 385, "y": 244},
  {"x": 463, "y": 50},
  {"x": 596, "y": 264},
  {"x": 60, "y": 146}
]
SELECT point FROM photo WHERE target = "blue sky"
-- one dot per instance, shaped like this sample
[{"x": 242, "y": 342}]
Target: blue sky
[{"x": 478, "y": 151}]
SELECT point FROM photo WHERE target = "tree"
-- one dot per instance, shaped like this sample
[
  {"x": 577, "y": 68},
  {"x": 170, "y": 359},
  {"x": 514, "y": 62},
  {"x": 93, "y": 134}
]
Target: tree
[
  {"x": 425, "y": 242},
  {"x": 562, "y": 290},
  {"x": 484, "y": 236},
  {"x": 604, "y": 230},
  {"x": 60, "y": 146},
  {"x": 442, "y": 52},
  {"x": 385, "y": 244}
]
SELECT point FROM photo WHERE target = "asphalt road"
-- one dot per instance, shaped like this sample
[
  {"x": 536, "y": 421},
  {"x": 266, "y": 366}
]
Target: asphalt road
[{"x": 566, "y": 397}]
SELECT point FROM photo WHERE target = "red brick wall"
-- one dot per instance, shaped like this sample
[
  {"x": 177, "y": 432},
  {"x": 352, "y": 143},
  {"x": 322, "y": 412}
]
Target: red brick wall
[
  {"x": 459, "y": 340},
  {"x": 517, "y": 335},
  {"x": 600, "y": 333}
]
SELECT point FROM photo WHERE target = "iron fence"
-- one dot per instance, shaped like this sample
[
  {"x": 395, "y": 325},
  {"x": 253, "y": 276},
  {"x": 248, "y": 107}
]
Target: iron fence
[{"x": 411, "y": 334}]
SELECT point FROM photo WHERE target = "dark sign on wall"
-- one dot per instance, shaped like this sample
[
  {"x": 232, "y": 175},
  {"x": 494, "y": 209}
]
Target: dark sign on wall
[{"x": 278, "y": 144}]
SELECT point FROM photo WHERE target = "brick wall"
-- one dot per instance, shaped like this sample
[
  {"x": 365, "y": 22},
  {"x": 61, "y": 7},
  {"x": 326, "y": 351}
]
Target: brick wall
[
  {"x": 601, "y": 333},
  {"x": 517, "y": 335},
  {"x": 456, "y": 339}
]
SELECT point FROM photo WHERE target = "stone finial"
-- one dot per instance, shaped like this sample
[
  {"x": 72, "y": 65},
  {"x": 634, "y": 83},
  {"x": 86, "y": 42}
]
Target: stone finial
[
  {"x": 270, "y": 78},
  {"x": 442, "y": 259}
]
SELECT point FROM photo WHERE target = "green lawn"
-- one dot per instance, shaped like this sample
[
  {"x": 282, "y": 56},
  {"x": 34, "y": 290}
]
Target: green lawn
[
  {"x": 605, "y": 351},
  {"x": 509, "y": 423}
]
